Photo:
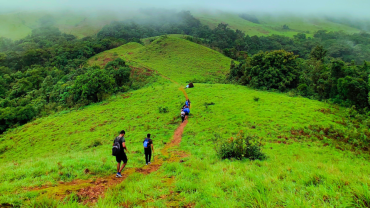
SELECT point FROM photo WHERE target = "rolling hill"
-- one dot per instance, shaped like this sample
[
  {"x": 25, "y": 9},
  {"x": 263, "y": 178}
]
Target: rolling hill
[
  {"x": 270, "y": 25},
  {"x": 17, "y": 25},
  {"x": 178, "y": 59}
]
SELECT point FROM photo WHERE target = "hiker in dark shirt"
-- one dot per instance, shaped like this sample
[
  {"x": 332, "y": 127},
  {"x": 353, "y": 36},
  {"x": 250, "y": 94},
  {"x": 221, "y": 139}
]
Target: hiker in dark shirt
[
  {"x": 187, "y": 102},
  {"x": 121, "y": 157},
  {"x": 148, "y": 148}
]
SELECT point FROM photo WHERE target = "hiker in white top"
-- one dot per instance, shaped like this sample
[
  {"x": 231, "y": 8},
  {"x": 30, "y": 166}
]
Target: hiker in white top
[{"x": 182, "y": 115}]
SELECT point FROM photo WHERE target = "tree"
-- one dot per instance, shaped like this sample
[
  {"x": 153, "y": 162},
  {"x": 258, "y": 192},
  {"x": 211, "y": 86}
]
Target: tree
[
  {"x": 94, "y": 85},
  {"x": 355, "y": 90},
  {"x": 274, "y": 70},
  {"x": 318, "y": 53}
]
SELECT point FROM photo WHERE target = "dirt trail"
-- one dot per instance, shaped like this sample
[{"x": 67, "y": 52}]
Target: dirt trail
[{"x": 89, "y": 191}]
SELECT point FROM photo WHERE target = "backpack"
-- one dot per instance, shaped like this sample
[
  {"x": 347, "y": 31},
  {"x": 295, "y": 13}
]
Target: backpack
[
  {"x": 116, "y": 147},
  {"x": 146, "y": 142}
]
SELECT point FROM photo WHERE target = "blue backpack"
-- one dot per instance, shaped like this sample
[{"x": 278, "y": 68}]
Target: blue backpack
[{"x": 146, "y": 142}]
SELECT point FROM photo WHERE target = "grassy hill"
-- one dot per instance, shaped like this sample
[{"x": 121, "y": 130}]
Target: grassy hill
[
  {"x": 17, "y": 25},
  {"x": 298, "y": 172},
  {"x": 178, "y": 59},
  {"x": 269, "y": 25}
]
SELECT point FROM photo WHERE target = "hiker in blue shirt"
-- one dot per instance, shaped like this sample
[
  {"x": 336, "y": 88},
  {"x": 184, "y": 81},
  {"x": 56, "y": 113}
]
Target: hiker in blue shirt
[
  {"x": 148, "y": 148},
  {"x": 187, "y": 111}
]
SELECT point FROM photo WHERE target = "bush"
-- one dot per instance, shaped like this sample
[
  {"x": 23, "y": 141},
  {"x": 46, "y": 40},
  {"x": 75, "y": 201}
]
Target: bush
[
  {"x": 241, "y": 147},
  {"x": 163, "y": 110},
  {"x": 256, "y": 99}
]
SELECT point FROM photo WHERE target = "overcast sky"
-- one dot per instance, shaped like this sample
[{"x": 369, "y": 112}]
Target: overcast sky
[{"x": 358, "y": 8}]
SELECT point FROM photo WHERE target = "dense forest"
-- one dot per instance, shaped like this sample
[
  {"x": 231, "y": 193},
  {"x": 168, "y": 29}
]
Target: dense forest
[{"x": 46, "y": 71}]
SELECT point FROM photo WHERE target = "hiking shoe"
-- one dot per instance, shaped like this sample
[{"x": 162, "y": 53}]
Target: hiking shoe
[
  {"x": 118, "y": 175},
  {"x": 146, "y": 163},
  {"x": 149, "y": 162}
]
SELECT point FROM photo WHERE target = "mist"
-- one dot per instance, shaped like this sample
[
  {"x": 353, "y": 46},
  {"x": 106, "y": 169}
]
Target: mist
[{"x": 335, "y": 8}]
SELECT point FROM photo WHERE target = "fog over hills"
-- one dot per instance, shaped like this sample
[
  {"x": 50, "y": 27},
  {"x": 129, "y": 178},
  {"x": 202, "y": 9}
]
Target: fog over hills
[{"x": 355, "y": 8}]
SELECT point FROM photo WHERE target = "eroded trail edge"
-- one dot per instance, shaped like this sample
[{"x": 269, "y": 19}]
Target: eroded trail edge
[{"x": 89, "y": 191}]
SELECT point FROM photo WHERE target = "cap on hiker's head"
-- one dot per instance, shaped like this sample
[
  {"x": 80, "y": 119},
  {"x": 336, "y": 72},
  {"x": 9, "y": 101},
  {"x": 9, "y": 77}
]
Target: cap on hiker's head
[
  {"x": 148, "y": 135},
  {"x": 123, "y": 132}
]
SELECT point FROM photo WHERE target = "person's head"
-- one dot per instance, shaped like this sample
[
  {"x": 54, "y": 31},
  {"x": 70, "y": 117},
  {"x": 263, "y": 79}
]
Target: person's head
[
  {"x": 122, "y": 133},
  {"x": 148, "y": 135}
]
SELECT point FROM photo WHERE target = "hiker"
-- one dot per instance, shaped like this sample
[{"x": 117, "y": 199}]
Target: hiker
[
  {"x": 182, "y": 115},
  {"x": 187, "y": 111},
  {"x": 148, "y": 148},
  {"x": 190, "y": 85},
  {"x": 118, "y": 150},
  {"x": 187, "y": 102}
]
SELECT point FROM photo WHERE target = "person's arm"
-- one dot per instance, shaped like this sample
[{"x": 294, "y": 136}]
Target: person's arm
[
  {"x": 152, "y": 147},
  {"x": 124, "y": 146}
]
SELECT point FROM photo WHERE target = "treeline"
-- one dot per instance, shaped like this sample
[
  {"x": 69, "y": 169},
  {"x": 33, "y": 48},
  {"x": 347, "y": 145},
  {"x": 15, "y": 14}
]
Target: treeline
[
  {"x": 343, "y": 83},
  {"x": 45, "y": 72}
]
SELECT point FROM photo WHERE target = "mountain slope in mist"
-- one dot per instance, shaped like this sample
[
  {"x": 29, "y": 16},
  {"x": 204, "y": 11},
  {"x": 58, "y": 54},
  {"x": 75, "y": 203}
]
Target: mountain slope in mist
[
  {"x": 18, "y": 25},
  {"x": 262, "y": 25}
]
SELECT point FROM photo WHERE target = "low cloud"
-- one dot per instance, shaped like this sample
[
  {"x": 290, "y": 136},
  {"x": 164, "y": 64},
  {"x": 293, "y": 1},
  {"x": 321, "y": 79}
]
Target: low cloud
[{"x": 340, "y": 8}]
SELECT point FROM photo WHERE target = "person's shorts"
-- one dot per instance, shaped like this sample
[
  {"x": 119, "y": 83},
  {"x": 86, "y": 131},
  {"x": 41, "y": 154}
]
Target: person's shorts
[
  {"x": 122, "y": 157},
  {"x": 186, "y": 113}
]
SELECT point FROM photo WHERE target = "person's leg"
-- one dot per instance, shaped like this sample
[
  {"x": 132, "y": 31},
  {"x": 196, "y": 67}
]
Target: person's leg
[
  {"x": 124, "y": 159},
  {"x": 118, "y": 166},
  {"x": 123, "y": 165},
  {"x": 149, "y": 156},
  {"x": 146, "y": 156}
]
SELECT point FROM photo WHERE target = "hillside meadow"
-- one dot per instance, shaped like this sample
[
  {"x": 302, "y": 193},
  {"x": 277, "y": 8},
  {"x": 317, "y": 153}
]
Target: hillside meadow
[
  {"x": 298, "y": 172},
  {"x": 178, "y": 59}
]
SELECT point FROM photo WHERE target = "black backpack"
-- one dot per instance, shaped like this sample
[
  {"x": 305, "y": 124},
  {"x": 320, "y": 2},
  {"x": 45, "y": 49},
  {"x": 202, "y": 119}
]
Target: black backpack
[{"x": 116, "y": 147}]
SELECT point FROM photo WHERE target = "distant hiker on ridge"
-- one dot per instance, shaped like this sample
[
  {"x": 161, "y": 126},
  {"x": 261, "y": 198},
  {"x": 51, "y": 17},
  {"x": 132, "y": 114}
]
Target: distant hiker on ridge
[
  {"x": 148, "y": 148},
  {"x": 118, "y": 150}
]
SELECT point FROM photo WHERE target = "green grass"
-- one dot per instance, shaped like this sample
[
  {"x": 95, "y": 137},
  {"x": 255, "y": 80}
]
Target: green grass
[
  {"x": 270, "y": 25},
  {"x": 82, "y": 139},
  {"x": 103, "y": 58},
  {"x": 299, "y": 172},
  {"x": 178, "y": 59}
]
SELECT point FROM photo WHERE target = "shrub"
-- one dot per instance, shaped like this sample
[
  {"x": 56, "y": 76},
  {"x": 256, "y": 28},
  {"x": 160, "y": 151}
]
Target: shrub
[
  {"x": 256, "y": 99},
  {"x": 241, "y": 147},
  {"x": 163, "y": 110},
  {"x": 207, "y": 104}
]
